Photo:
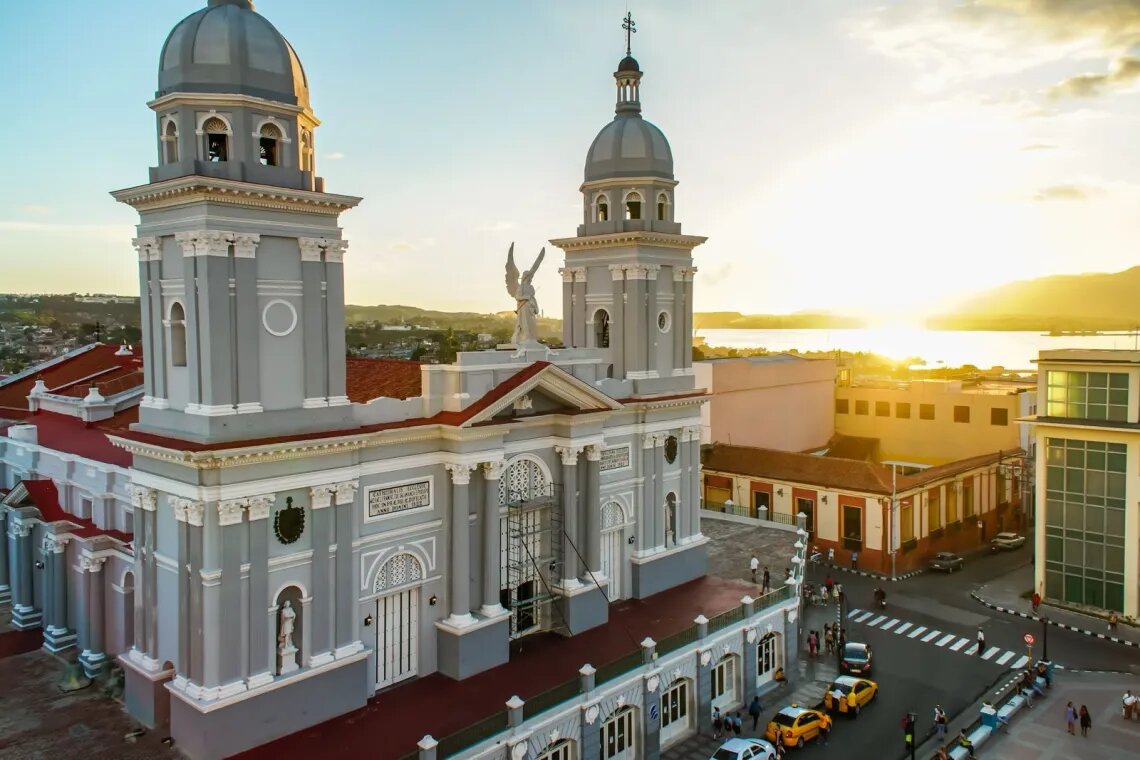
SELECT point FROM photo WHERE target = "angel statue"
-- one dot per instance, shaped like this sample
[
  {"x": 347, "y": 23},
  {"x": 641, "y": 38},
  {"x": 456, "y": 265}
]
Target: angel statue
[{"x": 526, "y": 309}]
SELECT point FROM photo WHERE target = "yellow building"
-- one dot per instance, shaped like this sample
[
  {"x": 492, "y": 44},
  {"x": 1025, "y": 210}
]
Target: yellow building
[
  {"x": 1088, "y": 440},
  {"x": 933, "y": 422}
]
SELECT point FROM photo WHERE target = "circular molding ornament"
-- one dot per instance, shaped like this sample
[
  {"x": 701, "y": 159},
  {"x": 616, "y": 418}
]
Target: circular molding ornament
[
  {"x": 591, "y": 714},
  {"x": 652, "y": 684},
  {"x": 289, "y": 523},
  {"x": 706, "y": 658},
  {"x": 279, "y": 317},
  {"x": 751, "y": 635},
  {"x": 664, "y": 321},
  {"x": 518, "y": 752}
]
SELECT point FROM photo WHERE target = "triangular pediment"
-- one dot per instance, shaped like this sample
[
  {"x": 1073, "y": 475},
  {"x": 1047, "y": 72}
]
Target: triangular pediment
[
  {"x": 545, "y": 390},
  {"x": 17, "y": 497}
]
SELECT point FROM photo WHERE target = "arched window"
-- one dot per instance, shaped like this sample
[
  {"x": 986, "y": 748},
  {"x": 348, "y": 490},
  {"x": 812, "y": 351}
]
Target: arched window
[
  {"x": 768, "y": 657},
  {"x": 170, "y": 143},
  {"x": 177, "y": 335},
  {"x": 601, "y": 329},
  {"x": 268, "y": 144},
  {"x": 562, "y": 749},
  {"x": 619, "y": 735},
  {"x": 662, "y": 202},
  {"x": 633, "y": 205},
  {"x": 724, "y": 678},
  {"x": 671, "y": 519},
  {"x": 602, "y": 205},
  {"x": 217, "y": 140},
  {"x": 676, "y": 711}
]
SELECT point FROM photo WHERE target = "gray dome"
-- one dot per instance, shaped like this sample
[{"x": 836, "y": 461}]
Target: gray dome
[
  {"x": 629, "y": 63},
  {"x": 629, "y": 146},
  {"x": 228, "y": 48}
]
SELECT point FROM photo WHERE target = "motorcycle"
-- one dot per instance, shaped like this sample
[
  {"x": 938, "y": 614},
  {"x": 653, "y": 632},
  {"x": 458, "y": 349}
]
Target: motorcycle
[{"x": 881, "y": 598}]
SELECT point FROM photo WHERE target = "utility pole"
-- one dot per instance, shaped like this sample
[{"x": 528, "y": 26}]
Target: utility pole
[{"x": 894, "y": 509}]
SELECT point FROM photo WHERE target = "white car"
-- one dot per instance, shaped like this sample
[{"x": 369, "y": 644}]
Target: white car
[
  {"x": 1007, "y": 541},
  {"x": 745, "y": 749}
]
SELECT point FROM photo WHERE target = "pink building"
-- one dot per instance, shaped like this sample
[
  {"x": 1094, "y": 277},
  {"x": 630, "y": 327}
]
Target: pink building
[{"x": 779, "y": 401}]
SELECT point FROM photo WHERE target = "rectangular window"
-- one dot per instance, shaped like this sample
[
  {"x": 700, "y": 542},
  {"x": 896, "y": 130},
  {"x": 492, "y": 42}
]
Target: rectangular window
[
  {"x": 999, "y": 416},
  {"x": 860, "y": 406},
  {"x": 902, "y": 410},
  {"x": 1087, "y": 395},
  {"x": 968, "y": 497},
  {"x": 961, "y": 414},
  {"x": 842, "y": 406},
  {"x": 951, "y": 503},
  {"x": 906, "y": 521},
  {"x": 724, "y": 683},
  {"x": 882, "y": 408},
  {"x": 807, "y": 508},
  {"x": 852, "y": 528},
  {"x": 933, "y": 511},
  {"x": 926, "y": 411},
  {"x": 675, "y": 710},
  {"x": 618, "y": 734}
]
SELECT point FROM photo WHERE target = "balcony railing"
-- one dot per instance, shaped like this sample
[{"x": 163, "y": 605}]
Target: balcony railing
[{"x": 744, "y": 510}]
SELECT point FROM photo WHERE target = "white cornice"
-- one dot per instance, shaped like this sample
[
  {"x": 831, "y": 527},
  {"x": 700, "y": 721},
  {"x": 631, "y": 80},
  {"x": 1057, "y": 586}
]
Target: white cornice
[
  {"x": 196, "y": 188},
  {"x": 214, "y": 100},
  {"x": 640, "y": 237},
  {"x": 602, "y": 184}
]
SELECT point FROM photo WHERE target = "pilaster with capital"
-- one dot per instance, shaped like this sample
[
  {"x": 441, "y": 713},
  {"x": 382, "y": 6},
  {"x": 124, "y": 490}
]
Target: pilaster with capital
[
  {"x": 57, "y": 635},
  {"x": 92, "y": 653},
  {"x": 688, "y": 336},
  {"x": 5, "y": 587},
  {"x": 617, "y": 320},
  {"x": 460, "y": 569},
  {"x": 247, "y": 323},
  {"x": 635, "y": 305},
  {"x": 680, "y": 318},
  {"x": 150, "y": 275},
  {"x": 648, "y": 529},
  {"x": 568, "y": 307},
  {"x": 492, "y": 474},
  {"x": 570, "y": 564},
  {"x": 258, "y": 635},
  {"x": 692, "y": 436},
  {"x": 314, "y": 338},
  {"x": 592, "y": 506},
  {"x": 652, "y": 333}
]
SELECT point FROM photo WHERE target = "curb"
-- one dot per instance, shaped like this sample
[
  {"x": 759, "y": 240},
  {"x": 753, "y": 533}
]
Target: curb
[
  {"x": 1066, "y": 626},
  {"x": 877, "y": 576}
]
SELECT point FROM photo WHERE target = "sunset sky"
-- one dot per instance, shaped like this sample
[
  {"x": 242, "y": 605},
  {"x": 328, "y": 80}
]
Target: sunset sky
[{"x": 868, "y": 157}]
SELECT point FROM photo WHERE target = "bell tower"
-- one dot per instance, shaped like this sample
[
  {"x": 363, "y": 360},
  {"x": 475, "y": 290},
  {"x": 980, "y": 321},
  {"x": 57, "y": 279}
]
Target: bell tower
[
  {"x": 628, "y": 279},
  {"x": 240, "y": 252}
]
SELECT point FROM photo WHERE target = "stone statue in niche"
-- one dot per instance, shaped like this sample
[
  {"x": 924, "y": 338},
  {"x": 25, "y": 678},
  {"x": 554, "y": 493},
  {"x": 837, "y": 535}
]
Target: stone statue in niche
[
  {"x": 286, "y": 620},
  {"x": 526, "y": 304}
]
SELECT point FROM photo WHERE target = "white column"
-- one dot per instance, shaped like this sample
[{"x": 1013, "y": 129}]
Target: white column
[
  {"x": 593, "y": 511},
  {"x": 568, "y": 315},
  {"x": 569, "y": 455},
  {"x": 460, "y": 568},
  {"x": 492, "y": 552}
]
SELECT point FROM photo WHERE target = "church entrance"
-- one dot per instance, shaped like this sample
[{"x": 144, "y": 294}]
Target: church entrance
[
  {"x": 613, "y": 548},
  {"x": 397, "y": 619},
  {"x": 529, "y": 562}
]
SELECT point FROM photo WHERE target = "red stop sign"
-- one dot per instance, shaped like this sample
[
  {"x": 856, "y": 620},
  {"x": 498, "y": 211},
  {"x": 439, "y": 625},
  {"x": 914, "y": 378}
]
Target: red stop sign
[{"x": 1029, "y": 639}]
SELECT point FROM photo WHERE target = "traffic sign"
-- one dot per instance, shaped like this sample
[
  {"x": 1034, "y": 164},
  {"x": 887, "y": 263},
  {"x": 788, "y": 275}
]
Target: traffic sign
[{"x": 1029, "y": 639}]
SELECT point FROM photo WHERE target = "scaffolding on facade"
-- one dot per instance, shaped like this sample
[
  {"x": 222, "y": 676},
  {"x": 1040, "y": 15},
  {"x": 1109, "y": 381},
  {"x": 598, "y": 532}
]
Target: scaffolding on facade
[{"x": 534, "y": 558}]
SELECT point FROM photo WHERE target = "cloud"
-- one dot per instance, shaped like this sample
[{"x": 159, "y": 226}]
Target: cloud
[
  {"x": 337, "y": 156},
  {"x": 1038, "y": 146},
  {"x": 716, "y": 275},
  {"x": 401, "y": 246},
  {"x": 1066, "y": 193},
  {"x": 495, "y": 227},
  {"x": 124, "y": 232},
  {"x": 1125, "y": 71},
  {"x": 34, "y": 209}
]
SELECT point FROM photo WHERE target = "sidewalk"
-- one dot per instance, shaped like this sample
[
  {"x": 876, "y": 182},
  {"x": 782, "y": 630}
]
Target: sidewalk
[{"x": 1004, "y": 595}]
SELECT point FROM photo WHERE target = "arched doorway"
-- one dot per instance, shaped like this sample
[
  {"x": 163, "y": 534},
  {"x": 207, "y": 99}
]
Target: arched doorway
[
  {"x": 128, "y": 610},
  {"x": 525, "y": 500},
  {"x": 613, "y": 548},
  {"x": 769, "y": 652},
  {"x": 397, "y": 619}
]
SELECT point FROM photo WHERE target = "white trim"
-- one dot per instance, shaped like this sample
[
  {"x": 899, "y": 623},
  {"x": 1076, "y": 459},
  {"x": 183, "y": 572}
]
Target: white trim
[{"x": 210, "y": 410}]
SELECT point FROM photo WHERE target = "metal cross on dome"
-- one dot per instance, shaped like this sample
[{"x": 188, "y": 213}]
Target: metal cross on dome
[{"x": 630, "y": 28}]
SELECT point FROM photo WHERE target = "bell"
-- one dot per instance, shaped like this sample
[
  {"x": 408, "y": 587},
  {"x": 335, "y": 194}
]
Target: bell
[{"x": 74, "y": 678}]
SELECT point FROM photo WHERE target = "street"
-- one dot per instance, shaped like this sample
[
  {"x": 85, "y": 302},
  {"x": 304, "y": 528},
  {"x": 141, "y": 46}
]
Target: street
[{"x": 925, "y": 651}]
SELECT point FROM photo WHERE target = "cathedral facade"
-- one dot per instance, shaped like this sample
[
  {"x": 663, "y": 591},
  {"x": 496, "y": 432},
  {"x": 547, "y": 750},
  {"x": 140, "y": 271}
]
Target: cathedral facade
[{"x": 292, "y": 541}]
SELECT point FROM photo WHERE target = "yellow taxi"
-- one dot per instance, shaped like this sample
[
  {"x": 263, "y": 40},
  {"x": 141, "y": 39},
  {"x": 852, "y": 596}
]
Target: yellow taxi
[
  {"x": 795, "y": 725},
  {"x": 849, "y": 694}
]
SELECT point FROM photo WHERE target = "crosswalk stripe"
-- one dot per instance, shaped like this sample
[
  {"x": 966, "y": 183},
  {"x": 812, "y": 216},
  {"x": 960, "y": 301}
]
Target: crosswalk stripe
[
  {"x": 853, "y": 613},
  {"x": 863, "y": 617},
  {"x": 902, "y": 628},
  {"x": 890, "y": 624},
  {"x": 992, "y": 651},
  {"x": 959, "y": 644},
  {"x": 877, "y": 620},
  {"x": 1005, "y": 657},
  {"x": 1020, "y": 662},
  {"x": 917, "y": 632},
  {"x": 926, "y": 639},
  {"x": 945, "y": 640}
]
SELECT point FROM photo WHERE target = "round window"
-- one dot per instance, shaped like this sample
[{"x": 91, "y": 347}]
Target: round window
[
  {"x": 664, "y": 321},
  {"x": 671, "y": 449}
]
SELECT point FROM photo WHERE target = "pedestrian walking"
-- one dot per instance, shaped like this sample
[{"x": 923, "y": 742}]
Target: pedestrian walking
[
  {"x": 828, "y": 584},
  {"x": 767, "y": 582},
  {"x": 737, "y": 723},
  {"x": 718, "y": 722},
  {"x": 1112, "y": 621},
  {"x": 1036, "y": 602},
  {"x": 812, "y": 643},
  {"x": 854, "y": 560},
  {"x": 1086, "y": 720},
  {"x": 981, "y": 641},
  {"x": 828, "y": 638},
  {"x": 754, "y": 710},
  {"x": 1128, "y": 705},
  {"x": 1071, "y": 719},
  {"x": 754, "y": 565},
  {"x": 842, "y": 638},
  {"x": 825, "y": 728},
  {"x": 940, "y": 722}
]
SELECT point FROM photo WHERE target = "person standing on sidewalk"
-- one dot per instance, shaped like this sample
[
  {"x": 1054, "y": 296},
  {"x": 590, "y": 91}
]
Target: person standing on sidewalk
[
  {"x": 981, "y": 641},
  {"x": 767, "y": 586},
  {"x": 940, "y": 722},
  {"x": 1071, "y": 719},
  {"x": 854, "y": 560},
  {"x": 754, "y": 710},
  {"x": 1086, "y": 721},
  {"x": 1112, "y": 621},
  {"x": 754, "y": 565},
  {"x": 1036, "y": 601}
]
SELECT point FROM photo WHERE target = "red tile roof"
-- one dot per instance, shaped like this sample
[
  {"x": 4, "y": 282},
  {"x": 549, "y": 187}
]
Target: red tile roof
[
  {"x": 72, "y": 435},
  {"x": 825, "y": 472},
  {"x": 45, "y": 497},
  {"x": 73, "y": 373},
  {"x": 368, "y": 379},
  {"x": 950, "y": 469}
]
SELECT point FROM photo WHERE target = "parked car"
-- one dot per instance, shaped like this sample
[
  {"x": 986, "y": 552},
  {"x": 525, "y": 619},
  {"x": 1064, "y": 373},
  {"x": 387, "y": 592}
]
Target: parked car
[
  {"x": 856, "y": 659},
  {"x": 794, "y": 725},
  {"x": 1007, "y": 541},
  {"x": 743, "y": 749},
  {"x": 850, "y": 695},
  {"x": 947, "y": 561}
]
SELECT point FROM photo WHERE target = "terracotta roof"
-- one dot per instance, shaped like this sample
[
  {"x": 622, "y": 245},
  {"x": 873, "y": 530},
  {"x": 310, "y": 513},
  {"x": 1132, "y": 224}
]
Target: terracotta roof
[
  {"x": 73, "y": 373},
  {"x": 852, "y": 447},
  {"x": 44, "y": 496},
  {"x": 950, "y": 469},
  {"x": 368, "y": 379},
  {"x": 825, "y": 472},
  {"x": 72, "y": 435}
]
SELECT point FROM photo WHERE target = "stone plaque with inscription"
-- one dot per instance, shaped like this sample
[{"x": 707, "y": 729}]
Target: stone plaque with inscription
[
  {"x": 615, "y": 458},
  {"x": 401, "y": 498}
]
